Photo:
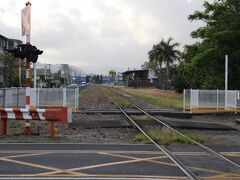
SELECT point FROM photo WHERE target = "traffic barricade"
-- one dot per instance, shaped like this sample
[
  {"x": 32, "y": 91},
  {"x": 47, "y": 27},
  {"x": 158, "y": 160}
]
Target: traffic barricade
[{"x": 52, "y": 115}]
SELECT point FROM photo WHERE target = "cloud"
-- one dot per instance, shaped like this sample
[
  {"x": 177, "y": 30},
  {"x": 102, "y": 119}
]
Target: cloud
[{"x": 98, "y": 35}]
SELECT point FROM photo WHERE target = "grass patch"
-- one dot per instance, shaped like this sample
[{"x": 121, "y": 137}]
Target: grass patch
[
  {"x": 83, "y": 93},
  {"x": 165, "y": 136},
  {"x": 157, "y": 97},
  {"x": 16, "y": 127},
  {"x": 141, "y": 138}
]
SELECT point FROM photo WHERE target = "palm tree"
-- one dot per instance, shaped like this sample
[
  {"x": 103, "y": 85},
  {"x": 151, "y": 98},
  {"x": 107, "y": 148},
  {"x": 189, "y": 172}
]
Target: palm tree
[
  {"x": 164, "y": 53},
  {"x": 169, "y": 55},
  {"x": 155, "y": 60},
  {"x": 112, "y": 73}
]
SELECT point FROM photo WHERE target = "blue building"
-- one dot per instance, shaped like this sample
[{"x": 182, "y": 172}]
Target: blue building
[
  {"x": 80, "y": 79},
  {"x": 108, "y": 80}
]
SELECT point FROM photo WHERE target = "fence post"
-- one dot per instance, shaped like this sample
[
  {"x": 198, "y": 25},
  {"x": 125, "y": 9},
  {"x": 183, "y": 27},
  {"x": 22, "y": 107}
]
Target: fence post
[
  {"x": 191, "y": 100},
  {"x": 75, "y": 98},
  {"x": 64, "y": 96},
  {"x": 52, "y": 129},
  {"x": 184, "y": 100},
  {"x": 235, "y": 101},
  {"x": 33, "y": 95},
  {"x": 38, "y": 92},
  {"x": 3, "y": 126},
  {"x": 17, "y": 96},
  {"x": 78, "y": 98},
  {"x": 4, "y": 97},
  {"x": 217, "y": 99},
  {"x": 198, "y": 98}
]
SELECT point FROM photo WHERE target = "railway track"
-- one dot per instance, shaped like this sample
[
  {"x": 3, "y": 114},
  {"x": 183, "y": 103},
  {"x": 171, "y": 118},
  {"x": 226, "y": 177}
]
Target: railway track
[{"x": 184, "y": 168}]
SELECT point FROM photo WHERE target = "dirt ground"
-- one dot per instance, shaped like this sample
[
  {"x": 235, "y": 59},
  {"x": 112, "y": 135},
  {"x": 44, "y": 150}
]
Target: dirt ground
[{"x": 94, "y": 99}]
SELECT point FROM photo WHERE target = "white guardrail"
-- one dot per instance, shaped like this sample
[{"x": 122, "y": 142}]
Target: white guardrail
[
  {"x": 40, "y": 97},
  {"x": 212, "y": 99}
]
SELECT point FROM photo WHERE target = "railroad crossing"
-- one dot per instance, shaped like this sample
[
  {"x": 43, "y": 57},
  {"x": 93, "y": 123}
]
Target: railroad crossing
[{"x": 109, "y": 161}]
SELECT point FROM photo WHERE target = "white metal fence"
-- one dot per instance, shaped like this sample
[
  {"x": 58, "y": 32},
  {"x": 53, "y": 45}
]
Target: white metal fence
[
  {"x": 40, "y": 97},
  {"x": 212, "y": 99}
]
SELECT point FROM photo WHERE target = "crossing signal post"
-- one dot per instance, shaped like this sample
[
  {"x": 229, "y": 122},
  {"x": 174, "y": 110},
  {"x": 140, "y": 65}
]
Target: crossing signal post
[
  {"x": 26, "y": 30},
  {"x": 28, "y": 52}
]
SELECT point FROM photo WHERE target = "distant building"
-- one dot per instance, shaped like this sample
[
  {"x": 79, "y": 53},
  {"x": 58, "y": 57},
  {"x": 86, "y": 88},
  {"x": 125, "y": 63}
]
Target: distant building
[
  {"x": 44, "y": 76},
  {"x": 8, "y": 44},
  {"x": 43, "y": 72},
  {"x": 138, "y": 78},
  {"x": 79, "y": 79},
  {"x": 108, "y": 79}
]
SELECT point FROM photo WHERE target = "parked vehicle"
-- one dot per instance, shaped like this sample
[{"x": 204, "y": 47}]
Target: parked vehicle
[{"x": 73, "y": 86}]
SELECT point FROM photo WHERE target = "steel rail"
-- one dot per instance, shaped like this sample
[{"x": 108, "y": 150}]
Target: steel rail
[
  {"x": 173, "y": 158},
  {"x": 208, "y": 150}
]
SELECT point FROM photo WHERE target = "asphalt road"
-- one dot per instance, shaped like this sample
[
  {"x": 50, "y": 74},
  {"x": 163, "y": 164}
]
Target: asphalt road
[{"x": 111, "y": 161}]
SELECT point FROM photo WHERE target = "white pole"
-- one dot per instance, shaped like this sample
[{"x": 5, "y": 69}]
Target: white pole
[
  {"x": 226, "y": 79},
  {"x": 35, "y": 76},
  {"x": 197, "y": 98},
  {"x": 38, "y": 93},
  {"x": 184, "y": 100},
  {"x": 28, "y": 38},
  {"x": 235, "y": 101},
  {"x": 64, "y": 96},
  {"x": 191, "y": 100}
]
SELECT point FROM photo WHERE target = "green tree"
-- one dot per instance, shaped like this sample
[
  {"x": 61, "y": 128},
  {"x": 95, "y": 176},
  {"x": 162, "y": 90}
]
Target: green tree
[
  {"x": 164, "y": 53},
  {"x": 112, "y": 73},
  {"x": 9, "y": 70},
  {"x": 155, "y": 59},
  {"x": 145, "y": 65},
  {"x": 57, "y": 80},
  {"x": 204, "y": 61}
]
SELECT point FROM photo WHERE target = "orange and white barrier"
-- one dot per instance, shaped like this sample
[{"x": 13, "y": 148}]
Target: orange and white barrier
[{"x": 62, "y": 114}]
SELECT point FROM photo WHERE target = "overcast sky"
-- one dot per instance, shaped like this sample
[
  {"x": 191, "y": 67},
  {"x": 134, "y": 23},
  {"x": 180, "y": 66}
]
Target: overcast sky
[{"x": 99, "y": 35}]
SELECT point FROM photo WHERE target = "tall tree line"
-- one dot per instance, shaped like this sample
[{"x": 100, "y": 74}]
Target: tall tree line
[{"x": 202, "y": 63}]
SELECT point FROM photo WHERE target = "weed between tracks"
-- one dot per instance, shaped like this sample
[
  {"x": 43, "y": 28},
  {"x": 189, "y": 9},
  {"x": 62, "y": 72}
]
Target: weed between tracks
[{"x": 164, "y": 136}]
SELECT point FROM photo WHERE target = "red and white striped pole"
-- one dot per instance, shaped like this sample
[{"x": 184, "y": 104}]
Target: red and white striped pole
[{"x": 27, "y": 128}]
